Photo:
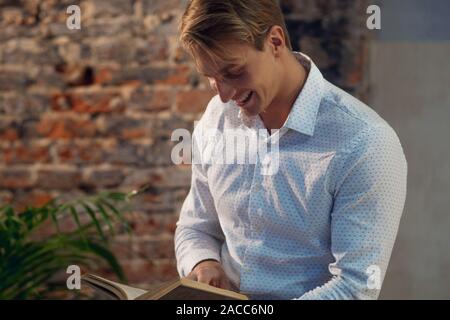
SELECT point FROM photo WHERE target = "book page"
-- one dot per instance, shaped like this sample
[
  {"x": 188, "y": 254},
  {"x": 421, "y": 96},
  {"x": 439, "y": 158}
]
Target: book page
[
  {"x": 121, "y": 291},
  {"x": 131, "y": 292}
]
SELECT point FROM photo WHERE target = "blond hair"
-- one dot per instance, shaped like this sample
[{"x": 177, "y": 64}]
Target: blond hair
[{"x": 207, "y": 24}]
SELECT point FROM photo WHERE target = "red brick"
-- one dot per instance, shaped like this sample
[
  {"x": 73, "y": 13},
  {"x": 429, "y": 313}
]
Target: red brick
[
  {"x": 194, "y": 100},
  {"x": 137, "y": 270},
  {"x": 33, "y": 198},
  {"x": 150, "y": 271},
  {"x": 66, "y": 128},
  {"x": 122, "y": 248},
  {"x": 161, "y": 99},
  {"x": 80, "y": 153},
  {"x": 25, "y": 154},
  {"x": 6, "y": 197},
  {"x": 134, "y": 133},
  {"x": 155, "y": 224},
  {"x": 64, "y": 179},
  {"x": 355, "y": 76},
  {"x": 9, "y": 134},
  {"x": 87, "y": 103},
  {"x": 120, "y": 126},
  {"x": 106, "y": 178},
  {"x": 103, "y": 75},
  {"x": 160, "y": 6},
  {"x": 12, "y": 178},
  {"x": 180, "y": 76},
  {"x": 39, "y": 198},
  {"x": 156, "y": 249},
  {"x": 151, "y": 100},
  {"x": 81, "y": 105}
]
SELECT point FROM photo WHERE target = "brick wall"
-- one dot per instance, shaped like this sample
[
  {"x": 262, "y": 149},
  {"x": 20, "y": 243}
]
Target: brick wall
[{"x": 93, "y": 109}]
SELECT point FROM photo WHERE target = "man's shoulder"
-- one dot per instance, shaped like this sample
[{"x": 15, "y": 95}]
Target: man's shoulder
[
  {"x": 349, "y": 108},
  {"x": 350, "y": 120},
  {"x": 363, "y": 140}
]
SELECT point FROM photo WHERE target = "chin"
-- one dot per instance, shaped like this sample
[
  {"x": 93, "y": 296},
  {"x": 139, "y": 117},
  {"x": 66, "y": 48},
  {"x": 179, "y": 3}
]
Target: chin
[{"x": 254, "y": 109}]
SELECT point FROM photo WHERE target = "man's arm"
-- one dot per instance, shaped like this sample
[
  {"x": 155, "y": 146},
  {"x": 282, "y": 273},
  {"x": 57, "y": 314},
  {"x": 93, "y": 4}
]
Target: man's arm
[
  {"x": 370, "y": 191},
  {"x": 198, "y": 235}
]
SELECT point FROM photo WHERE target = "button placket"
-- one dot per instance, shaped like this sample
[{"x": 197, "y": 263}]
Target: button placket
[{"x": 253, "y": 213}]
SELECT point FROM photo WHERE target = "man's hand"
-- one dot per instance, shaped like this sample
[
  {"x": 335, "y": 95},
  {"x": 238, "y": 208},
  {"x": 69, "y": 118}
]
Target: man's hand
[{"x": 210, "y": 272}]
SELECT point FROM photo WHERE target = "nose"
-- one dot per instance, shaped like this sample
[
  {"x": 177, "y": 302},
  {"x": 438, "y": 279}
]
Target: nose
[{"x": 225, "y": 91}]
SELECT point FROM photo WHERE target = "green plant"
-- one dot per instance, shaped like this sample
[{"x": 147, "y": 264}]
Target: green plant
[{"x": 28, "y": 261}]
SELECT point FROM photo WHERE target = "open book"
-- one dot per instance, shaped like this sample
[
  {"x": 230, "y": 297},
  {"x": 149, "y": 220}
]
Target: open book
[{"x": 182, "y": 289}]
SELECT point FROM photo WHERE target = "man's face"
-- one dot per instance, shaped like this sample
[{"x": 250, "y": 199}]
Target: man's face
[{"x": 250, "y": 79}]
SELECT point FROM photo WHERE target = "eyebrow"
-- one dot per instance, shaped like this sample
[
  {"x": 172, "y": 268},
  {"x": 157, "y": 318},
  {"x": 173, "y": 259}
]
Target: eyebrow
[{"x": 226, "y": 68}]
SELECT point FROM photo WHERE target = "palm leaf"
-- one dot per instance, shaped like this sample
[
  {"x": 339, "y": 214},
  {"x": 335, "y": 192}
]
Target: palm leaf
[{"x": 27, "y": 264}]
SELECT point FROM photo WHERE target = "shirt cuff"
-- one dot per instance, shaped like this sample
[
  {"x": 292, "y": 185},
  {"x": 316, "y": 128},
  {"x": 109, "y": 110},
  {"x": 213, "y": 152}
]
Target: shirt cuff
[{"x": 194, "y": 258}]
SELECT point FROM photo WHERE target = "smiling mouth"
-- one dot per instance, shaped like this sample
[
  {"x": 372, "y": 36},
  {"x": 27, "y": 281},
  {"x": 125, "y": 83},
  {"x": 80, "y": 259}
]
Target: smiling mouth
[{"x": 245, "y": 100}]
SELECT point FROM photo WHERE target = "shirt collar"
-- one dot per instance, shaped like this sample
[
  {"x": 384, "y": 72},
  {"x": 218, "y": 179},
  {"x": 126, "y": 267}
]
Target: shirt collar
[{"x": 303, "y": 115}]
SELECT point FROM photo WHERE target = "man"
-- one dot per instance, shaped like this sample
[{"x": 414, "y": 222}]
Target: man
[{"x": 323, "y": 225}]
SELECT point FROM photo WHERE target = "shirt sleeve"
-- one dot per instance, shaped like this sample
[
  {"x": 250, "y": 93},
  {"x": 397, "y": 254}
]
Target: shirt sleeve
[
  {"x": 198, "y": 235},
  {"x": 369, "y": 196}
]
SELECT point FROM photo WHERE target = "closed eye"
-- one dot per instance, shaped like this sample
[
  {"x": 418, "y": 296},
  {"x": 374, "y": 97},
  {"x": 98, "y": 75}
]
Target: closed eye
[{"x": 235, "y": 75}]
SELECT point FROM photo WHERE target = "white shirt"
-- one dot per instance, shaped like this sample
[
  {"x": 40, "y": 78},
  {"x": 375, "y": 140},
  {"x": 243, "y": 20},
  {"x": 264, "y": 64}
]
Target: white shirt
[{"x": 323, "y": 226}]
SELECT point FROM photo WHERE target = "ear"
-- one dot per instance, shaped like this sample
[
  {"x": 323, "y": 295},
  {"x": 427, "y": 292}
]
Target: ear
[{"x": 275, "y": 40}]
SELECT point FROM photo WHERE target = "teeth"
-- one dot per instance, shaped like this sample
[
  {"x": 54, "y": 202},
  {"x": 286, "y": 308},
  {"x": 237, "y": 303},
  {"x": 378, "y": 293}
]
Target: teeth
[{"x": 245, "y": 98}]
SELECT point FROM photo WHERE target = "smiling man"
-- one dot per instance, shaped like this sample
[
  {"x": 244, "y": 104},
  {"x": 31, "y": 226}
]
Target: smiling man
[{"x": 323, "y": 225}]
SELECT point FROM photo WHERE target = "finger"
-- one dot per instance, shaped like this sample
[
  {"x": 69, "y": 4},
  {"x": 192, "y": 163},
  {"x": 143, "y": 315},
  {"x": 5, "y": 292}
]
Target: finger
[
  {"x": 192, "y": 276},
  {"x": 214, "y": 283},
  {"x": 225, "y": 284},
  {"x": 204, "y": 278}
]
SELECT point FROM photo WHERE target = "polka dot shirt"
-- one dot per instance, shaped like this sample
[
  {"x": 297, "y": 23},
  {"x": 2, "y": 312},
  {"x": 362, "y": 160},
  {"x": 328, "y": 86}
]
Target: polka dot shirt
[{"x": 322, "y": 224}]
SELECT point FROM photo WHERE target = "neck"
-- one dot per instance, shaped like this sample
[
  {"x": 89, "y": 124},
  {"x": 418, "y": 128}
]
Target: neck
[{"x": 294, "y": 77}]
